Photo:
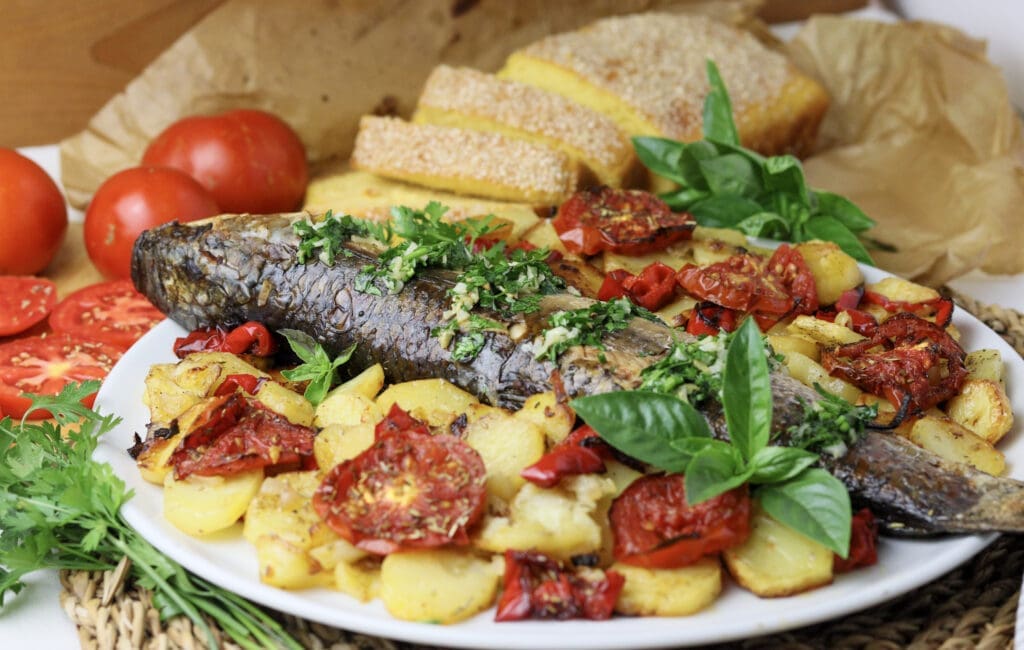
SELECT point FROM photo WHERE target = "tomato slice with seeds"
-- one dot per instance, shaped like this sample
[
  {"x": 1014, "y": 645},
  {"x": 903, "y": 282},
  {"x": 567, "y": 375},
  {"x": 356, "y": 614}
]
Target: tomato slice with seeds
[
  {"x": 788, "y": 266},
  {"x": 111, "y": 312},
  {"x": 408, "y": 490},
  {"x": 24, "y": 302},
  {"x": 739, "y": 283},
  {"x": 653, "y": 526},
  {"x": 44, "y": 364},
  {"x": 909, "y": 359},
  {"x": 631, "y": 222}
]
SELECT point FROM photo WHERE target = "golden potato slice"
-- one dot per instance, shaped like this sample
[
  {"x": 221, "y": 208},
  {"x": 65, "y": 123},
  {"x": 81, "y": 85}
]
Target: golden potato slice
[
  {"x": 361, "y": 580},
  {"x": 554, "y": 418},
  {"x": 952, "y": 441},
  {"x": 785, "y": 344},
  {"x": 437, "y": 585},
  {"x": 507, "y": 445},
  {"x": 200, "y": 505},
  {"x": 367, "y": 383},
  {"x": 669, "y": 592},
  {"x": 986, "y": 364},
  {"x": 283, "y": 507},
  {"x": 983, "y": 407},
  {"x": 895, "y": 288},
  {"x": 286, "y": 402},
  {"x": 778, "y": 561},
  {"x": 346, "y": 409},
  {"x": 287, "y": 565},
  {"x": 822, "y": 331},
  {"x": 834, "y": 271},
  {"x": 435, "y": 401},
  {"x": 337, "y": 443},
  {"x": 807, "y": 371}
]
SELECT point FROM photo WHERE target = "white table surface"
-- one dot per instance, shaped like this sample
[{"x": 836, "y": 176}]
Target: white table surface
[{"x": 34, "y": 620}]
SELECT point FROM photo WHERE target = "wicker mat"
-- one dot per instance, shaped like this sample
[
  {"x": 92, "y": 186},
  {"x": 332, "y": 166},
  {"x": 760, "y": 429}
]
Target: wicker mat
[{"x": 973, "y": 606}]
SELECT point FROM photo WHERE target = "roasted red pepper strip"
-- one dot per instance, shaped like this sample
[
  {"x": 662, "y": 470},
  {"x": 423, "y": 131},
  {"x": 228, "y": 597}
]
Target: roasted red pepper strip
[
  {"x": 654, "y": 288},
  {"x": 860, "y": 321},
  {"x": 248, "y": 338},
  {"x": 249, "y": 383},
  {"x": 398, "y": 420},
  {"x": 537, "y": 586},
  {"x": 582, "y": 452},
  {"x": 612, "y": 287},
  {"x": 863, "y": 543},
  {"x": 709, "y": 318},
  {"x": 942, "y": 307},
  {"x": 201, "y": 340}
]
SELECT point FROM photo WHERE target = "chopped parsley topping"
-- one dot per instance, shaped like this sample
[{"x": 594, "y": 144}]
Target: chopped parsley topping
[
  {"x": 586, "y": 326},
  {"x": 692, "y": 370},
  {"x": 831, "y": 424},
  {"x": 324, "y": 239}
]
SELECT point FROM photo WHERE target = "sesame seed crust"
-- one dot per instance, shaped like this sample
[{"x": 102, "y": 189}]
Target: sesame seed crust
[
  {"x": 467, "y": 162},
  {"x": 599, "y": 141},
  {"x": 655, "y": 62}
]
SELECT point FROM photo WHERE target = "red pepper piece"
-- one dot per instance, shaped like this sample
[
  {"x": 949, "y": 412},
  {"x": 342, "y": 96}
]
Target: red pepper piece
[
  {"x": 537, "y": 586},
  {"x": 200, "y": 340},
  {"x": 612, "y": 288},
  {"x": 250, "y": 338},
  {"x": 398, "y": 420},
  {"x": 863, "y": 543},
  {"x": 942, "y": 308},
  {"x": 654, "y": 288},
  {"x": 582, "y": 452},
  {"x": 249, "y": 383},
  {"x": 709, "y": 318}
]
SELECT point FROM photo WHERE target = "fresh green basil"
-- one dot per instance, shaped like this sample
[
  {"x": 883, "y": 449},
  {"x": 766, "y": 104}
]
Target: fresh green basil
[
  {"x": 317, "y": 366},
  {"x": 747, "y": 391},
  {"x": 714, "y": 470},
  {"x": 778, "y": 464},
  {"x": 815, "y": 504},
  {"x": 644, "y": 425},
  {"x": 726, "y": 185}
]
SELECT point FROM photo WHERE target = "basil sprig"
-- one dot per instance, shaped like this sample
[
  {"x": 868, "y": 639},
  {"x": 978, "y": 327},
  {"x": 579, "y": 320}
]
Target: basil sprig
[
  {"x": 725, "y": 185},
  {"x": 670, "y": 434},
  {"x": 317, "y": 367}
]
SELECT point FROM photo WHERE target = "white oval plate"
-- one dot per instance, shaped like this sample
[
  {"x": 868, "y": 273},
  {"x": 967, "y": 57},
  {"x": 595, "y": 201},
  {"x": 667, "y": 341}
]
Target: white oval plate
[{"x": 230, "y": 562}]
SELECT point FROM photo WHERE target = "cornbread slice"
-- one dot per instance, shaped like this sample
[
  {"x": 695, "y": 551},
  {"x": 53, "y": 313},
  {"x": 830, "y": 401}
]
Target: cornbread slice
[
  {"x": 647, "y": 72},
  {"x": 476, "y": 100},
  {"x": 475, "y": 163},
  {"x": 362, "y": 194}
]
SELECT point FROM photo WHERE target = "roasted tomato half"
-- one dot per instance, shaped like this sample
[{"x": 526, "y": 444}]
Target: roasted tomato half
[
  {"x": 236, "y": 434},
  {"x": 631, "y": 222},
  {"x": 909, "y": 359},
  {"x": 537, "y": 586},
  {"x": 653, "y": 526},
  {"x": 410, "y": 489}
]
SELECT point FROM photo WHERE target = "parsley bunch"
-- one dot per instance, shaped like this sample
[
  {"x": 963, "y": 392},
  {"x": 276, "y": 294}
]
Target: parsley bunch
[
  {"x": 59, "y": 509},
  {"x": 324, "y": 239},
  {"x": 670, "y": 434},
  {"x": 725, "y": 185}
]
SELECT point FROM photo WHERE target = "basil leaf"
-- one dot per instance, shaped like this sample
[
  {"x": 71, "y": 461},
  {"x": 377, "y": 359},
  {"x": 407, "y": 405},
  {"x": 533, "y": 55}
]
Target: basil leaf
[
  {"x": 723, "y": 211},
  {"x": 683, "y": 198},
  {"x": 831, "y": 229},
  {"x": 643, "y": 425},
  {"x": 690, "y": 447},
  {"x": 717, "y": 115},
  {"x": 764, "y": 224},
  {"x": 732, "y": 174},
  {"x": 747, "y": 390},
  {"x": 778, "y": 464},
  {"x": 716, "y": 469},
  {"x": 668, "y": 159},
  {"x": 303, "y": 345},
  {"x": 815, "y": 504},
  {"x": 844, "y": 210},
  {"x": 784, "y": 174}
]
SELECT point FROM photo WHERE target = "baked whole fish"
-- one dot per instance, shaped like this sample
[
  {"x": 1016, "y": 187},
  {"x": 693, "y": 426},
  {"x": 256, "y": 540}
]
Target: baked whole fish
[{"x": 231, "y": 269}]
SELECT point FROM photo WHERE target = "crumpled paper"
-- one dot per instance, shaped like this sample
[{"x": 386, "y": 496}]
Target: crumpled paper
[
  {"x": 920, "y": 133},
  {"x": 922, "y": 136},
  {"x": 321, "y": 64}
]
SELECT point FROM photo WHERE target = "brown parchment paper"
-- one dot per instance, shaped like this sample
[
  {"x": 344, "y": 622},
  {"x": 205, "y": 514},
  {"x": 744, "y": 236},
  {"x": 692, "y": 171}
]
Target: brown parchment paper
[
  {"x": 321, "y": 64},
  {"x": 921, "y": 135}
]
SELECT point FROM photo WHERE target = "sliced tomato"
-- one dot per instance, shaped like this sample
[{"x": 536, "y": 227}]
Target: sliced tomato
[
  {"x": 739, "y": 283},
  {"x": 909, "y": 359},
  {"x": 537, "y": 586},
  {"x": 237, "y": 434},
  {"x": 24, "y": 301},
  {"x": 653, "y": 526},
  {"x": 631, "y": 222},
  {"x": 111, "y": 312},
  {"x": 44, "y": 364},
  {"x": 408, "y": 490},
  {"x": 788, "y": 266}
]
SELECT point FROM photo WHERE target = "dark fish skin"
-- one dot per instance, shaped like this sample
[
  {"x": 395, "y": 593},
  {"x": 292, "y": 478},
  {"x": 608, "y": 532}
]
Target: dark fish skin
[{"x": 230, "y": 269}]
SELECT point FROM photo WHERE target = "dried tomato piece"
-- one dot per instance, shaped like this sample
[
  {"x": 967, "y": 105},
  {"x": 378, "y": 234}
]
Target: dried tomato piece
[
  {"x": 410, "y": 489},
  {"x": 537, "y": 586},
  {"x": 582, "y": 452},
  {"x": 908, "y": 359},
  {"x": 739, "y": 283},
  {"x": 236, "y": 434},
  {"x": 631, "y": 222},
  {"x": 863, "y": 543},
  {"x": 654, "y": 527},
  {"x": 789, "y": 267}
]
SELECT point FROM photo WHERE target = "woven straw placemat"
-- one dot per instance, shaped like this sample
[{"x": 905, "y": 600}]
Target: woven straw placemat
[{"x": 973, "y": 606}]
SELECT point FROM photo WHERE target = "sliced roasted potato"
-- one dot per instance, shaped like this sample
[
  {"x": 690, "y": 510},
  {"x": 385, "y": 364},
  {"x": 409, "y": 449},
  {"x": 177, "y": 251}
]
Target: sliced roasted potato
[
  {"x": 200, "y": 505},
  {"x": 986, "y": 364},
  {"x": 283, "y": 507},
  {"x": 554, "y": 418},
  {"x": 983, "y": 407},
  {"x": 287, "y": 565},
  {"x": 435, "y": 401},
  {"x": 669, "y": 592},
  {"x": 834, "y": 271},
  {"x": 786, "y": 344},
  {"x": 822, "y": 331},
  {"x": 952, "y": 441},
  {"x": 337, "y": 443},
  {"x": 284, "y": 401},
  {"x": 807, "y": 371},
  {"x": 895, "y": 288},
  {"x": 361, "y": 580},
  {"x": 346, "y": 409},
  {"x": 367, "y": 383},
  {"x": 507, "y": 445},
  {"x": 437, "y": 585},
  {"x": 778, "y": 561}
]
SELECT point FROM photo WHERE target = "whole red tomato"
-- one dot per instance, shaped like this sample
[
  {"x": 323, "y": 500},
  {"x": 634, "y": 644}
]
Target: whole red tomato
[
  {"x": 33, "y": 216},
  {"x": 134, "y": 200},
  {"x": 249, "y": 160}
]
